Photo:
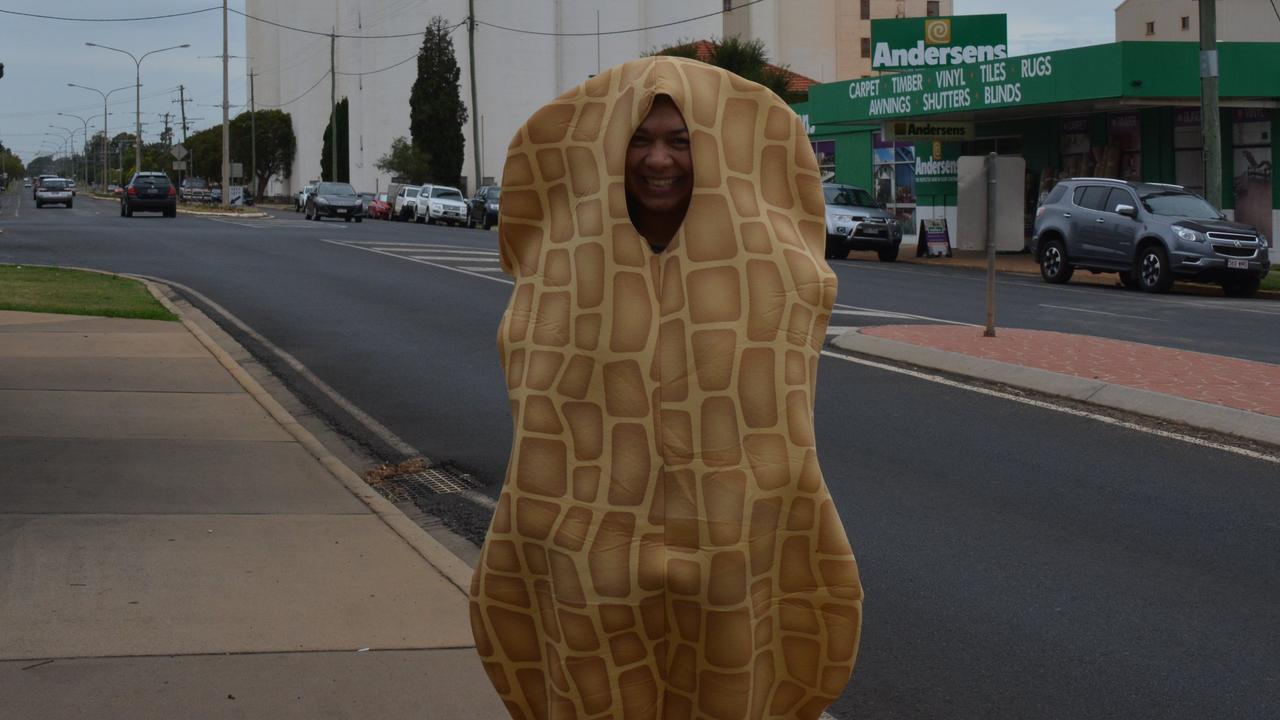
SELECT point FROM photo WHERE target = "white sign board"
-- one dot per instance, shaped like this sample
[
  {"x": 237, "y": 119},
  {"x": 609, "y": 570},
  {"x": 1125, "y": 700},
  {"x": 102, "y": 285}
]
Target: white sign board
[
  {"x": 179, "y": 151},
  {"x": 179, "y": 164},
  {"x": 971, "y": 210},
  {"x": 237, "y": 192},
  {"x": 237, "y": 170}
]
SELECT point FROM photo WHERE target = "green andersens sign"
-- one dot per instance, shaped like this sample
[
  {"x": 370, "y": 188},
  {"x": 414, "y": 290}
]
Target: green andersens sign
[
  {"x": 902, "y": 43},
  {"x": 1061, "y": 76}
]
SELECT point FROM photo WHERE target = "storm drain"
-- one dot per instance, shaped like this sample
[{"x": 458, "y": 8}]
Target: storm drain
[{"x": 411, "y": 481}]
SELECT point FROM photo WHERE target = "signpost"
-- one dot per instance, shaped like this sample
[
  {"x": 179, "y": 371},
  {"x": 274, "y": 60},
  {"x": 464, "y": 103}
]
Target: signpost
[
  {"x": 179, "y": 153},
  {"x": 901, "y": 43}
]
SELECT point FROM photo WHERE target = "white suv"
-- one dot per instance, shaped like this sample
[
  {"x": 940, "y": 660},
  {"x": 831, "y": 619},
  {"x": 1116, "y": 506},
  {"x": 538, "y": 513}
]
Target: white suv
[
  {"x": 445, "y": 204},
  {"x": 406, "y": 207}
]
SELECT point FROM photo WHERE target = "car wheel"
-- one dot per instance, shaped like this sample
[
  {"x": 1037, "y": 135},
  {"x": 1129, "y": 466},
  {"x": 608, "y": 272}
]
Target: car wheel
[
  {"x": 359, "y": 219},
  {"x": 128, "y": 211},
  {"x": 887, "y": 254},
  {"x": 1241, "y": 287},
  {"x": 1154, "y": 273},
  {"x": 68, "y": 206},
  {"x": 121, "y": 209},
  {"x": 488, "y": 225},
  {"x": 418, "y": 218},
  {"x": 41, "y": 205},
  {"x": 346, "y": 219},
  {"x": 1054, "y": 267},
  {"x": 1129, "y": 280}
]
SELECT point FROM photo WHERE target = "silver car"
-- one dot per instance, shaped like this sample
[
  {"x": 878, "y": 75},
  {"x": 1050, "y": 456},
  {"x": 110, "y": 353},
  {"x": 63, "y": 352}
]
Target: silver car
[
  {"x": 56, "y": 191},
  {"x": 855, "y": 221}
]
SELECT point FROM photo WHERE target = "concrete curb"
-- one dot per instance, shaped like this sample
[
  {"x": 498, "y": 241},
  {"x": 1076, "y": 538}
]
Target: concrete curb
[
  {"x": 1240, "y": 423},
  {"x": 453, "y": 568}
]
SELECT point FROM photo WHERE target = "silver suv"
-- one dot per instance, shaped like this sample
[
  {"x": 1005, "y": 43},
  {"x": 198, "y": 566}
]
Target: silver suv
[
  {"x": 855, "y": 221},
  {"x": 1149, "y": 233}
]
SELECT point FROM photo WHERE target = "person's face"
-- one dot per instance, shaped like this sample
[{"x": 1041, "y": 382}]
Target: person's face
[{"x": 659, "y": 171}]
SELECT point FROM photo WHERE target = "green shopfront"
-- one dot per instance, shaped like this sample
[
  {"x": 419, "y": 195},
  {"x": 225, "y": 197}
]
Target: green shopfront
[{"x": 1125, "y": 110}]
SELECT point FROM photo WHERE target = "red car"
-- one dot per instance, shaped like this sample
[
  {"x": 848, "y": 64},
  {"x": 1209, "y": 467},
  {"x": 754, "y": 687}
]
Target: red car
[{"x": 379, "y": 208}]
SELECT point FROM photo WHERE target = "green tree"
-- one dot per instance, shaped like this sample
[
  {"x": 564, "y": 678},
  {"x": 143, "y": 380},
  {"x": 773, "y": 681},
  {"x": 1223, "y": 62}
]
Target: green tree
[
  {"x": 276, "y": 144},
  {"x": 745, "y": 58},
  {"x": 11, "y": 165},
  {"x": 344, "y": 147},
  {"x": 436, "y": 112},
  {"x": 405, "y": 162},
  {"x": 205, "y": 160}
]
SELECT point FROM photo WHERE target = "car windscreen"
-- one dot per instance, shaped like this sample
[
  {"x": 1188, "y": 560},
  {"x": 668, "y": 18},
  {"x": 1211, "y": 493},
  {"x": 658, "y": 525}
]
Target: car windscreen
[
  {"x": 194, "y": 183},
  {"x": 495, "y": 193},
  {"x": 1180, "y": 204},
  {"x": 54, "y": 185},
  {"x": 848, "y": 196},
  {"x": 343, "y": 189},
  {"x": 153, "y": 180},
  {"x": 446, "y": 193}
]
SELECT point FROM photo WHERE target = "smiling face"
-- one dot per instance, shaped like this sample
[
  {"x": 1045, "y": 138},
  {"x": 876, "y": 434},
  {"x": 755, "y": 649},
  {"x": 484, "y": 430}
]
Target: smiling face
[{"x": 659, "y": 172}]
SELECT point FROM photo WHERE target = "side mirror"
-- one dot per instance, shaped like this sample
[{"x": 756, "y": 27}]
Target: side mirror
[{"x": 1127, "y": 210}]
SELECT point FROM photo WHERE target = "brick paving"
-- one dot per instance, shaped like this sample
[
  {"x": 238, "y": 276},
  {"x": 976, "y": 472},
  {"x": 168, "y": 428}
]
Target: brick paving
[{"x": 1240, "y": 384}]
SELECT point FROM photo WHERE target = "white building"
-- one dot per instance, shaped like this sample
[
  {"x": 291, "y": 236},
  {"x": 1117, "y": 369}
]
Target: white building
[
  {"x": 527, "y": 52},
  {"x": 1238, "y": 20}
]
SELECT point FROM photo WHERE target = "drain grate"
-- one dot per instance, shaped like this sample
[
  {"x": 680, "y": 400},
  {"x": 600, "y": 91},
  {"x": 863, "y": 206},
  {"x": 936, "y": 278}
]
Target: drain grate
[{"x": 423, "y": 483}]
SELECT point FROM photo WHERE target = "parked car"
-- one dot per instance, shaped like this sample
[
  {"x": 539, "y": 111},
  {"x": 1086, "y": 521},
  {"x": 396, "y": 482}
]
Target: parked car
[
  {"x": 53, "y": 191},
  {"x": 71, "y": 185},
  {"x": 406, "y": 205},
  {"x": 365, "y": 198},
  {"x": 300, "y": 198},
  {"x": 149, "y": 191},
  {"x": 195, "y": 189},
  {"x": 1149, "y": 233},
  {"x": 379, "y": 207},
  {"x": 26, "y": 183},
  {"x": 334, "y": 199},
  {"x": 482, "y": 208},
  {"x": 445, "y": 205},
  {"x": 115, "y": 189},
  {"x": 855, "y": 221}
]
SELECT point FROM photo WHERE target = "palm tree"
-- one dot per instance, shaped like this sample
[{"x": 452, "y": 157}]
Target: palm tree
[{"x": 745, "y": 58}]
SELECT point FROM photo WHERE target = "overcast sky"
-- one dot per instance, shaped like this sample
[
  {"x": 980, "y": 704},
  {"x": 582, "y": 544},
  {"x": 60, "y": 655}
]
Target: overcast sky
[{"x": 42, "y": 56}]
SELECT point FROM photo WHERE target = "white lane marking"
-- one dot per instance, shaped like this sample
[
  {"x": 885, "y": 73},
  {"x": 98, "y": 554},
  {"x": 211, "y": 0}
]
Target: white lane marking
[
  {"x": 482, "y": 269},
  {"x": 842, "y": 309},
  {"x": 424, "y": 248},
  {"x": 229, "y": 222},
  {"x": 1100, "y": 312},
  {"x": 421, "y": 262},
  {"x": 454, "y": 257},
  {"x": 1057, "y": 408},
  {"x": 1025, "y": 280}
]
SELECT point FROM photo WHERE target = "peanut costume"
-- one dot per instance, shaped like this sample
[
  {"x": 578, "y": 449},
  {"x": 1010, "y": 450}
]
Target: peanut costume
[{"x": 664, "y": 546}]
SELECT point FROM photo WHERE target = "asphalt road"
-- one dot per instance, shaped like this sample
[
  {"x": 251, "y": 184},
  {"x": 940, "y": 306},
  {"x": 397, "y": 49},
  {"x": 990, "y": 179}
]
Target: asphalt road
[{"x": 1018, "y": 562}]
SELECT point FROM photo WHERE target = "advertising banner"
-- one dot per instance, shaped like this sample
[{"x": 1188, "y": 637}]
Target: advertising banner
[{"x": 918, "y": 42}]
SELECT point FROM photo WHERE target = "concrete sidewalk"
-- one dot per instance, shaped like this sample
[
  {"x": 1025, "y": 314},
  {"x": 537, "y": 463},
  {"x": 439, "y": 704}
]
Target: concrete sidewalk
[{"x": 173, "y": 544}]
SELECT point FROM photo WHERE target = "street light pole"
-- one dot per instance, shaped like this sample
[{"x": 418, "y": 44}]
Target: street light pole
[
  {"x": 106, "y": 138},
  {"x": 66, "y": 143},
  {"x": 85, "y": 122},
  {"x": 226, "y": 125},
  {"x": 137, "y": 62}
]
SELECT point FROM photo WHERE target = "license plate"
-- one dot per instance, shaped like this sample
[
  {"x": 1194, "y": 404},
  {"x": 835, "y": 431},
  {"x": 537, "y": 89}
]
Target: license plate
[
  {"x": 342, "y": 211},
  {"x": 1238, "y": 264}
]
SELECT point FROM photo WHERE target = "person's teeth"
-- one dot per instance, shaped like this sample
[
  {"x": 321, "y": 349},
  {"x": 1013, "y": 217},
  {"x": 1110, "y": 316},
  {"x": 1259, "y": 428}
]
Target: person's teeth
[{"x": 661, "y": 182}]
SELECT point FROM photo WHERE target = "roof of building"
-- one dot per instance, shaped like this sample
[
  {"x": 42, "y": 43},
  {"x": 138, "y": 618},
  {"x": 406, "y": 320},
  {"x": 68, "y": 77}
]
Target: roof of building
[{"x": 796, "y": 83}]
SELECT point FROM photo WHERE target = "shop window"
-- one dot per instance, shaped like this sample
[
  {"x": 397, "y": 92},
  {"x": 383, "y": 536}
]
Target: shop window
[
  {"x": 866, "y": 9},
  {"x": 825, "y": 153},
  {"x": 866, "y": 47},
  {"x": 893, "y": 172},
  {"x": 1188, "y": 165},
  {"x": 1122, "y": 158},
  {"x": 931, "y": 8},
  {"x": 1251, "y": 138},
  {"x": 1151, "y": 28},
  {"x": 1186, "y": 22}
]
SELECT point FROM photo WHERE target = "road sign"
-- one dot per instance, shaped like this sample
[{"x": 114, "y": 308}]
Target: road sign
[
  {"x": 237, "y": 170},
  {"x": 179, "y": 164},
  {"x": 179, "y": 151}
]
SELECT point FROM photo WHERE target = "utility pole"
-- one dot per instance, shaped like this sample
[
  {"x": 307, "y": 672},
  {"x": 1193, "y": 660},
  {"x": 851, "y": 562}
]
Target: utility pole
[
  {"x": 253, "y": 139},
  {"x": 182, "y": 104},
  {"x": 226, "y": 125},
  {"x": 475, "y": 109},
  {"x": 1210, "y": 120},
  {"x": 333, "y": 105}
]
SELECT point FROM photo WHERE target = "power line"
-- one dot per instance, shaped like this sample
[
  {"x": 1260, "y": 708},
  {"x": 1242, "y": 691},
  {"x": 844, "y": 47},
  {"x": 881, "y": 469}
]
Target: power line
[
  {"x": 304, "y": 93},
  {"x": 128, "y": 19},
  {"x": 1274, "y": 9},
  {"x": 321, "y": 32},
  {"x": 620, "y": 32},
  {"x": 374, "y": 72}
]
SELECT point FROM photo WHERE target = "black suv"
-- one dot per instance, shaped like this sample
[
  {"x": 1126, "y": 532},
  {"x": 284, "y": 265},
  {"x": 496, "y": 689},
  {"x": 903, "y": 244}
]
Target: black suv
[
  {"x": 1149, "y": 233},
  {"x": 482, "y": 208},
  {"x": 149, "y": 192}
]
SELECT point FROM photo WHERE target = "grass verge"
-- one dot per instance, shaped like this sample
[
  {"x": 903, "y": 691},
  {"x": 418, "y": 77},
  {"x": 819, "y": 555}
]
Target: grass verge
[
  {"x": 1271, "y": 281},
  {"x": 75, "y": 292}
]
